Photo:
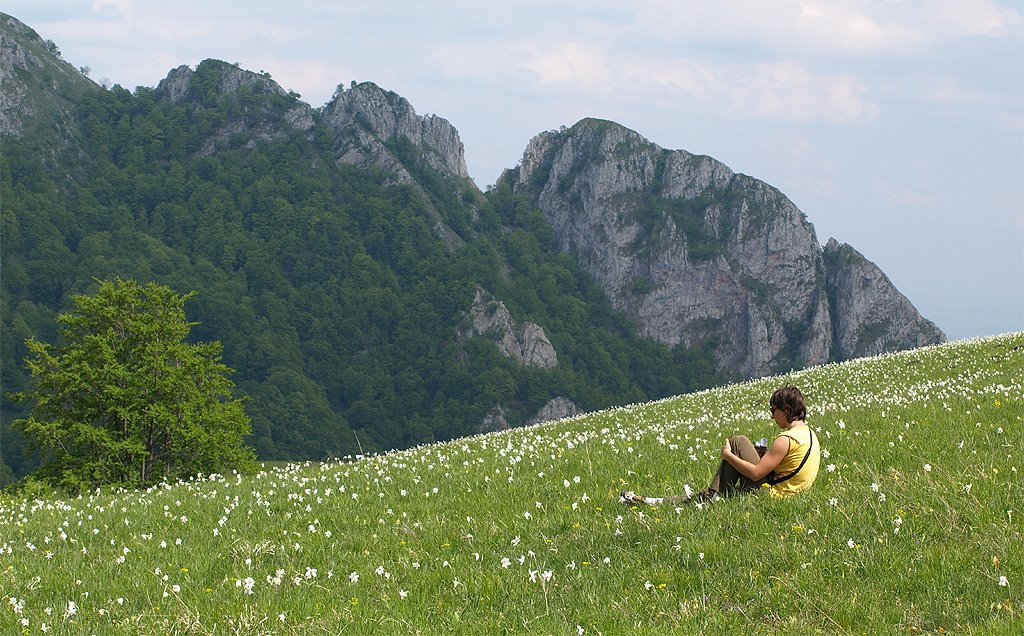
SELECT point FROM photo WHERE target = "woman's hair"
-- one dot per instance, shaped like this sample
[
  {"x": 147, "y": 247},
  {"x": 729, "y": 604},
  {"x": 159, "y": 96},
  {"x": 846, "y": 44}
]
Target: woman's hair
[{"x": 791, "y": 402}]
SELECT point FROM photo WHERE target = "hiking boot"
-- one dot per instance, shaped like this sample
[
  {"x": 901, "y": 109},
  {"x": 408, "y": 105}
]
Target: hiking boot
[
  {"x": 631, "y": 498},
  {"x": 704, "y": 496}
]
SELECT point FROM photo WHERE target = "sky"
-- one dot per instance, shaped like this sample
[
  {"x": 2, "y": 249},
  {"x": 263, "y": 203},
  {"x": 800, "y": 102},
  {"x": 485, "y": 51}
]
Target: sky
[{"x": 896, "y": 126}]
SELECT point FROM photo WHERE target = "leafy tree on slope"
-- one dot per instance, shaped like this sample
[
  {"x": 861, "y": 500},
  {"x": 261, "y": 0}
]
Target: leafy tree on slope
[{"x": 125, "y": 400}]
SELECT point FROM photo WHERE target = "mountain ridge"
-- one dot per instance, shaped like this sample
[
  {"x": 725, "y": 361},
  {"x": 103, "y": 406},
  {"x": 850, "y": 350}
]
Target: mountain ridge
[
  {"x": 339, "y": 252},
  {"x": 692, "y": 250}
]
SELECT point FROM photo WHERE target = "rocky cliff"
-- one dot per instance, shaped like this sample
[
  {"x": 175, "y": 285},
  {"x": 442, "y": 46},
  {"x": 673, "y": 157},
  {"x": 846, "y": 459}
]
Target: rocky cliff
[
  {"x": 371, "y": 127},
  {"x": 38, "y": 91},
  {"x": 380, "y": 129},
  {"x": 864, "y": 302},
  {"x": 265, "y": 110},
  {"x": 557, "y": 409},
  {"x": 526, "y": 344},
  {"x": 368, "y": 127},
  {"x": 377, "y": 119},
  {"x": 695, "y": 252}
]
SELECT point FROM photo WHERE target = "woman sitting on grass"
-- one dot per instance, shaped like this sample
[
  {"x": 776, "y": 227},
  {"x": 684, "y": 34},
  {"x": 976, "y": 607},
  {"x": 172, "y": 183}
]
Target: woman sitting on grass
[{"x": 789, "y": 465}]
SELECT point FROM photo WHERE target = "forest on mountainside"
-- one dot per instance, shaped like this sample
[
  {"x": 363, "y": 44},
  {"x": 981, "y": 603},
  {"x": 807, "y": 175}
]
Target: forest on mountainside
[{"x": 336, "y": 302}]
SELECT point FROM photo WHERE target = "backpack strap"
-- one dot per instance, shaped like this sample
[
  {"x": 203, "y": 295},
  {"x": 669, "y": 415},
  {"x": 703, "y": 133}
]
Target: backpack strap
[{"x": 778, "y": 480}]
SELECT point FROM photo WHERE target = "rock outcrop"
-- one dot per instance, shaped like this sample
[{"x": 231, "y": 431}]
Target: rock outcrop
[
  {"x": 379, "y": 129},
  {"x": 271, "y": 115},
  {"x": 557, "y": 409},
  {"x": 494, "y": 421},
  {"x": 386, "y": 118},
  {"x": 869, "y": 315},
  {"x": 39, "y": 92},
  {"x": 371, "y": 128},
  {"x": 695, "y": 252},
  {"x": 527, "y": 344}
]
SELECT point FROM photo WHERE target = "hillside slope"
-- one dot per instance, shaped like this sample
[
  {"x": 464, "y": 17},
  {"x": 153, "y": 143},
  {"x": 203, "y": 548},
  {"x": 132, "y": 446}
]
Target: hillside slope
[{"x": 911, "y": 526}]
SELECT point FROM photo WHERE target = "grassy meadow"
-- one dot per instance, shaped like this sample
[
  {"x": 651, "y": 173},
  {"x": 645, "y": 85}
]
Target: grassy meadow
[{"x": 914, "y": 525}]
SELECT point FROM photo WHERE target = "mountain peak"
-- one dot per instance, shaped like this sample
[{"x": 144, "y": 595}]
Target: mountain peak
[
  {"x": 264, "y": 109},
  {"x": 870, "y": 316},
  {"x": 217, "y": 77},
  {"x": 697, "y": 253},
  {"x": 37, "y": 87},
  {"x": 388, "y": 118}
]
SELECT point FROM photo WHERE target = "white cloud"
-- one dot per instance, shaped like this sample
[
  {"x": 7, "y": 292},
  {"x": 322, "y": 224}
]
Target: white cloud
[
  {"x": 174, "y": 29},
  {"x": 844, "y": 25},
  {"x": 697, "y": 79},
  {"x": 853, "y": 27},
  {"x": 958, "y": 96},
  {"x": 966, "y": 19},
  {"x": 785, "y": 91},
  {"x": 473, "y": 60},
  {"x": 721, "y": 23},
  {"x": 569, "y": 64},
  {"x": 88, "y": 31},
  {"x": 781, "y": 92},
  {"x": 951, "y": 92},
  {"x": 602, "y": 28},
  {"x": 790, "y": 92}
]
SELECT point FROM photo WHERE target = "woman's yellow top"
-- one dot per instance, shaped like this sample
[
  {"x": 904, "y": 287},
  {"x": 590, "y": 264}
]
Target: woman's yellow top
[{"x": 799, "y": 440}]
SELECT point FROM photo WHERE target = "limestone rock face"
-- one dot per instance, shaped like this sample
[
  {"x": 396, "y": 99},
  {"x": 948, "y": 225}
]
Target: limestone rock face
[
  {"x": 871, "y": 316},
  {"x": 557, "y": 409},
  {"x": 494, "y": 421},
  {"x": 14, "y": 57},
  {"x": 526, "y": 344},
  {"x": 387, "y": 118},
  {"x": 38, "y": 91},
  {"x": 379, "y": 129},
  {"x": 692, "y": 251},
  {"x": 265, "y": 121}
]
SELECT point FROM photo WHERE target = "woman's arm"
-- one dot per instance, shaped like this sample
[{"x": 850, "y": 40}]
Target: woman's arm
[{"x": 771, "y": 459}]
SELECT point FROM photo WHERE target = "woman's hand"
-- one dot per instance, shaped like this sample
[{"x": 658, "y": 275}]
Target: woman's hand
[{"x": 726, "y": 450}]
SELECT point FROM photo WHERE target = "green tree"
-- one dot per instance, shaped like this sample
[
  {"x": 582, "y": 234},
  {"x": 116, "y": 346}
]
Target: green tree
[{"x": 125, "y": 399}]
